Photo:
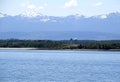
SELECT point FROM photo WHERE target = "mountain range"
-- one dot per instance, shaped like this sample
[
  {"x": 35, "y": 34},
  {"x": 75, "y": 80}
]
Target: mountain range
[{"x": 102, "y": 27}]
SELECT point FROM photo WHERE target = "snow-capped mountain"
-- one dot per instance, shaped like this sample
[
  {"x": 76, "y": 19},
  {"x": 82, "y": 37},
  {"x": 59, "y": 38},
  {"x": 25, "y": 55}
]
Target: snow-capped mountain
[
  {"x": 98, "y": 25},
  {"x": 2, "y": 15}
]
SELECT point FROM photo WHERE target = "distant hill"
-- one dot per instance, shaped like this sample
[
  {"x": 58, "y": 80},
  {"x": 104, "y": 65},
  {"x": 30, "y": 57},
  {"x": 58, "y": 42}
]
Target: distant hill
[
  {"x": 54, "y": 35},
  {"x": 50, "y": 27}
]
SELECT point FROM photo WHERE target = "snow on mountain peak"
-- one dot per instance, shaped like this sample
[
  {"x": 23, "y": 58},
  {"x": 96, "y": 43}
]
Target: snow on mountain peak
[
  {"x": 2, "y": 15},
  {"x": 31, "y": 14}
]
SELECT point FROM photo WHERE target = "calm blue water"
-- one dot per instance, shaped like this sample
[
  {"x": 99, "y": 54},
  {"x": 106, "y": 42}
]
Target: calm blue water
[{"x": 59, "y": 66}]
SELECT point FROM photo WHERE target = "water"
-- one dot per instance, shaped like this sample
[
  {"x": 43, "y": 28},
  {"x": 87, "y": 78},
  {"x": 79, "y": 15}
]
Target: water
[{"x": 59, "y": 66}]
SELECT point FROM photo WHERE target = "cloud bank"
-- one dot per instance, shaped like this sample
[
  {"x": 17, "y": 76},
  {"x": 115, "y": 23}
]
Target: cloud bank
[
  {"x": 98, "y": 4},
  {"x": 71, "y": 3},
  {"x": 32, "y": 10}
]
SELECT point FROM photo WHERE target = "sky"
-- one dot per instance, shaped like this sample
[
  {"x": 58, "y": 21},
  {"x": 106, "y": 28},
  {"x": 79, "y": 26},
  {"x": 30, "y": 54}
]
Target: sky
[{"x": 59, "y": 7}]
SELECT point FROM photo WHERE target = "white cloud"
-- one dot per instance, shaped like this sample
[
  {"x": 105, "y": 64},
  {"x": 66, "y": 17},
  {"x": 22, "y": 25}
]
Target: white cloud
[
  {"x": 43, "y": 7},
  {"x": 32, "y": 10},
  {"x": 97, "y": 4},
  {"x": 45, "y": 4},
  {"x": 71, "y": 3},
  {"x": 31, "y": 6}
]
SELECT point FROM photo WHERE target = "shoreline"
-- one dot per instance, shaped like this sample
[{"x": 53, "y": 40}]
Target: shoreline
[
  {"x": 18, "y": 48},
  {"x": 59, "y": 49}
]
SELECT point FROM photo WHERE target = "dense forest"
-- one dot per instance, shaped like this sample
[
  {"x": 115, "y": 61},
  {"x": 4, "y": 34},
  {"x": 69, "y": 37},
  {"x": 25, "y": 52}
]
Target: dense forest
[{"x": 62, "y": 44}]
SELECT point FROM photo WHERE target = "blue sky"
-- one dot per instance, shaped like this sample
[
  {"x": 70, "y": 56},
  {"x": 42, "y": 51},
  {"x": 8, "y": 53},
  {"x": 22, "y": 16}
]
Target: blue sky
[{"x": 59, "y": 7}]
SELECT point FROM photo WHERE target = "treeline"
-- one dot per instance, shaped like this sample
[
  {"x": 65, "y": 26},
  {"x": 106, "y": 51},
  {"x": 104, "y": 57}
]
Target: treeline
[
  {"x": 100, "y": 45},
  {"x": 63, "y": 44},
  {"x": 43, "y": 44}
]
